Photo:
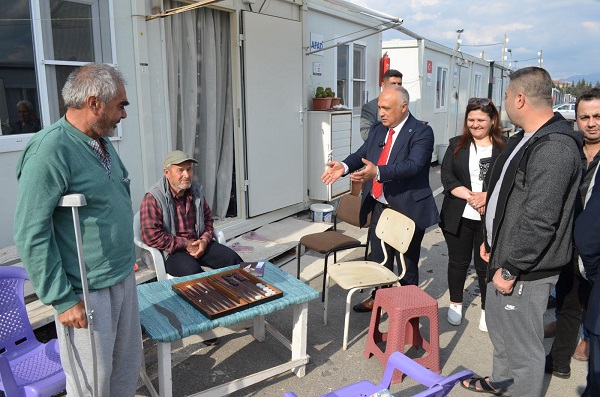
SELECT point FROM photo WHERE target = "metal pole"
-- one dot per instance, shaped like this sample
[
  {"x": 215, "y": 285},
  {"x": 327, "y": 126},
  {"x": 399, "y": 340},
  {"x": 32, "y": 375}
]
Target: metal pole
[
  {"x": 504, "y": 48},
  {"x": 458, "y": 40}
]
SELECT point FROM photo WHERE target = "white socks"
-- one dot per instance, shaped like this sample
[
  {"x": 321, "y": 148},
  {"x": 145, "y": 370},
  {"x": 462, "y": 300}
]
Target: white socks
[
  {"x": 482, "y": 324},
  {"x": 455, "y": 314}
]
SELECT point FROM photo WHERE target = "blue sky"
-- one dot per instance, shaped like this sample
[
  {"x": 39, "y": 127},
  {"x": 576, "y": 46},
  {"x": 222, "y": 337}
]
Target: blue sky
[{"x": 567, "y": 32}]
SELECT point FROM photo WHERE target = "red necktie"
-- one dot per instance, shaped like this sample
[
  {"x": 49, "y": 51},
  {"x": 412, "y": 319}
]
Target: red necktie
[{"x": 377, "y": 189}]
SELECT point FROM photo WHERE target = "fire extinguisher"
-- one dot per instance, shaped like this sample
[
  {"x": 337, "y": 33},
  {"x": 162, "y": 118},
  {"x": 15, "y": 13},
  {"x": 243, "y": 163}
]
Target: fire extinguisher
[{"x": 384, "y": 66}]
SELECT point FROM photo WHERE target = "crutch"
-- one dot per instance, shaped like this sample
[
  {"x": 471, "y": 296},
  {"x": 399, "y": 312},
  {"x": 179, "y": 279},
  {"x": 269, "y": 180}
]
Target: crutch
[{"x": 75, "y": 201}]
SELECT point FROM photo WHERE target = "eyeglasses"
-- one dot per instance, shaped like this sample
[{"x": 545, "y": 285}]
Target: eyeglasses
[{"x": 479, "y": 101}]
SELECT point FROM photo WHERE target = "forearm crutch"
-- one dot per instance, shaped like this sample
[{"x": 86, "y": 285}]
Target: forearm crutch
[{"x": 74, "y": 201}]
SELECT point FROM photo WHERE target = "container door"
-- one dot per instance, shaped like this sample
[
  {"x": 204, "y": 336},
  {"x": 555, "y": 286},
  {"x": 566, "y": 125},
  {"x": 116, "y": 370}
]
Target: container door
[{"x": 272, "y": 66}]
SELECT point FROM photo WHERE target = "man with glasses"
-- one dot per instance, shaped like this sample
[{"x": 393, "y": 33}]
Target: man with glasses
[
  {"x": 528, "y": 227},
  {"x": 572, "y": 289},
  {"x": 369, "y": 111}
]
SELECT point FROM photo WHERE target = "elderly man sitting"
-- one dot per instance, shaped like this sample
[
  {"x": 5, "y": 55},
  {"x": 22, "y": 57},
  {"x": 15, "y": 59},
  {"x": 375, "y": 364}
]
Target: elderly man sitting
[{"x": 176, "y": 219}]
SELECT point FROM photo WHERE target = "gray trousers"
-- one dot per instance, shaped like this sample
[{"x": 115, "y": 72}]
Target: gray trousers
[
  {"x": 516, "y": 328},
  {"x": 118, "y": 344}
]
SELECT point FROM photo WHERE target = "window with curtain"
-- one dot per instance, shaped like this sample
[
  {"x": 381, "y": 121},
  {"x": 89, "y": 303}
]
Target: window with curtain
[{"x": 200, "y": 94}]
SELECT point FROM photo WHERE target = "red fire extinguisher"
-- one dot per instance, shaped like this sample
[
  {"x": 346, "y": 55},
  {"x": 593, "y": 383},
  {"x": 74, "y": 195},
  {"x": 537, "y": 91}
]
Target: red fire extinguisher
[{"x": 384, "y": 66}]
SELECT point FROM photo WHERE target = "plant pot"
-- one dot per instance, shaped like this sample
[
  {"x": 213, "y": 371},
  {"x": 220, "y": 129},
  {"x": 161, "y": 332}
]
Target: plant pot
[
  {"x": 321, "y": 103},
  {"x": 335, "y": 101}
]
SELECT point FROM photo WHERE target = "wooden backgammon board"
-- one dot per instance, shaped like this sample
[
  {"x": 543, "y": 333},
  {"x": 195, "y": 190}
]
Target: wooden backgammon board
[{"x": 225, "y": 293}]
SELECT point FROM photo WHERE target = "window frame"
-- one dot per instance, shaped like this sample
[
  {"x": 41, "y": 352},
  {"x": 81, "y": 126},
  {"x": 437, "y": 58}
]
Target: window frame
[
  {"x": 443, "y": 95},
  {"x": 477, "y": 81},
  {"x": 45, "y": 75},
  {"x": 356, "y": 108}
]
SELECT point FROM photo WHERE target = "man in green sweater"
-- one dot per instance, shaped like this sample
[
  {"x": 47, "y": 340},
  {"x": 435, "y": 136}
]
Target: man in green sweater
[{"x": 74, "y": 155}]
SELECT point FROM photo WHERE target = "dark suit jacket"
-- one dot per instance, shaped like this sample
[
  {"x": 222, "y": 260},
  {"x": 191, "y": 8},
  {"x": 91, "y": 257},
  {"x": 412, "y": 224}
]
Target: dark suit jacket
[
  {"x": 406, "y": 176},
  {"x": 455, "y": 173},
  {"x": 587, "y": 240}
]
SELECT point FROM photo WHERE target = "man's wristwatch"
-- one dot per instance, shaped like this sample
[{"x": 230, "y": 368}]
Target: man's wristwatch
[{"x": 507, "y": 275}]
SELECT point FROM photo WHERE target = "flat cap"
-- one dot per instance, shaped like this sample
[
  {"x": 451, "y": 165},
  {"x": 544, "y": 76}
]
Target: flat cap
[{"x": 177, "y": 157}]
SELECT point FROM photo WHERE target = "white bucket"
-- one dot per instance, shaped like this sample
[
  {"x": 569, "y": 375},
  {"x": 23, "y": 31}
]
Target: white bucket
[{"x": 321, "y": 212}]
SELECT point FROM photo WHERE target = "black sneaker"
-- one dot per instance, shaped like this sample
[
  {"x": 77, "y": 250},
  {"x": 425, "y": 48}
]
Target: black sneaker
[{"x": 559, "y": 372}]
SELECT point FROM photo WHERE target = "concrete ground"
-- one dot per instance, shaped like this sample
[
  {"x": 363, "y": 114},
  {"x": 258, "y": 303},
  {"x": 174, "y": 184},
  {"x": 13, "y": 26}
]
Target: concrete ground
[{"x": 197, "y": 367}]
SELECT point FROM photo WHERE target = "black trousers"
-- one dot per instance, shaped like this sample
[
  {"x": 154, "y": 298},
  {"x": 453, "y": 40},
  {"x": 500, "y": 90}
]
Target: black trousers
[
  {"x": 572, "y": 294},
  {"x": 463, "y": 247},
  {"x": 593, "y": 378},
  {"x": 216, "y": 256},
  {"x": 411, "y": 257}
]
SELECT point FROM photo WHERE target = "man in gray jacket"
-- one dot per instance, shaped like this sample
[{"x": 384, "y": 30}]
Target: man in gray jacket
[
  {"x": 369, "y": 112},
  {"x": 528, "y": 232}
]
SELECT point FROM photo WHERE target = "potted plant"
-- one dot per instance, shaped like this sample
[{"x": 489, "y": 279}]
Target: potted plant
[
  {"x": 321, "y": 101},
  {"x": 331, "y": 94}
]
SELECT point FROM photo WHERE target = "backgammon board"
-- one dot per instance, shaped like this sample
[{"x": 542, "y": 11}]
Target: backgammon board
[{"x": 225, "y": 293}]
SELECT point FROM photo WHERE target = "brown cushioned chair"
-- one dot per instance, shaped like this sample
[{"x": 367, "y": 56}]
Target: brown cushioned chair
[{"x": 332, "y": 241}]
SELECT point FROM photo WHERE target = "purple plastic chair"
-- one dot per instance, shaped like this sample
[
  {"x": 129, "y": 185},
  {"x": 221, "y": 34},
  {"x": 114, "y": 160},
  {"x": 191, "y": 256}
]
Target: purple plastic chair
[
  {"x": 438, "y": 385},
  {"x": 27, "y": 367}
]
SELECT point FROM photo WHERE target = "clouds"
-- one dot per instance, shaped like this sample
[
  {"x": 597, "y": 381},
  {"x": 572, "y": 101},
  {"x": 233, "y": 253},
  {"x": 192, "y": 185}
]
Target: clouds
[{"x": 568, "y": 33}]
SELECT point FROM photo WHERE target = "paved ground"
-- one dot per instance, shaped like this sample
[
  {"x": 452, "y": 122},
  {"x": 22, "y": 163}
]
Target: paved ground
[{"x": 197, "y": 367}]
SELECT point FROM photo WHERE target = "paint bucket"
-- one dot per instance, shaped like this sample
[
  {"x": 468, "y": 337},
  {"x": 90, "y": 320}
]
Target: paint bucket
[{"x": 321, "y": 212}]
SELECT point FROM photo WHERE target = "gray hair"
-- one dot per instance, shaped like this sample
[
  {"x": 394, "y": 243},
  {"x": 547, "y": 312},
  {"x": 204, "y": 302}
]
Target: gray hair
[
  {"x": 94, "y": 79},
  {"x": 535, "y": 83},
  {"x": 404, "y": 97},
  {"x": 25, "y": 103}
]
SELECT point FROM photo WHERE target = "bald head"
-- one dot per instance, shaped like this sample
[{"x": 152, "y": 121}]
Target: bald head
[{"x": 393, "y": 105}]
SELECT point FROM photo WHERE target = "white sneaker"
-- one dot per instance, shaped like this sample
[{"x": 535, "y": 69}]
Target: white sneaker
[
  {"x": 455, "y": 314},
  {"x": 482, "y": 324}
]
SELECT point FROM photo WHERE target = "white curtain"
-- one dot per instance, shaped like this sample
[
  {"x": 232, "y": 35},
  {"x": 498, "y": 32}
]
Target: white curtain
[{"x": 199, "y": 63}]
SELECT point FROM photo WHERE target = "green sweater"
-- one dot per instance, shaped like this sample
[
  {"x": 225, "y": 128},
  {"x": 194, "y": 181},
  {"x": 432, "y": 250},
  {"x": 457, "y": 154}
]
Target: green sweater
[{"x": 58, "y": 161}]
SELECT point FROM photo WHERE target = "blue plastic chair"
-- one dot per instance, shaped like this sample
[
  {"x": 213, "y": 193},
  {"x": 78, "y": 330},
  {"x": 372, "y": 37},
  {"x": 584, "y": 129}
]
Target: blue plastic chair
[
  {"x": 27, "y": 367},
  {"x": 438, "y": 385}
]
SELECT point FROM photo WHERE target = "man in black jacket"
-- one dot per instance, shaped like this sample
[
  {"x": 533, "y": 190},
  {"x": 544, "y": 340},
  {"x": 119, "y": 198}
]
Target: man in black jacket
[{"x": 528, "y": 232}]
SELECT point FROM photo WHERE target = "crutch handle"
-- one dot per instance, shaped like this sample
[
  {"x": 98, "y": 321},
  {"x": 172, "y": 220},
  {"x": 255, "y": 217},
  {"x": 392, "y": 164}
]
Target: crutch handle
[{"x": 72, "y": 200}]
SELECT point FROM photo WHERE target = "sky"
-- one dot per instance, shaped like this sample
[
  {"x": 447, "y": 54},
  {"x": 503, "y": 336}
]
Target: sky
[{"x": 567, "y": 32}]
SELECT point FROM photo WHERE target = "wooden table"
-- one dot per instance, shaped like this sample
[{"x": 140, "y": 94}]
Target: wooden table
[{"x": 167, "y": 318}]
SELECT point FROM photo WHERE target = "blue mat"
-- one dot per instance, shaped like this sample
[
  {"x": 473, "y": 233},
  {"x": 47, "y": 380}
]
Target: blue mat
[{"x": 166, "y": 317}]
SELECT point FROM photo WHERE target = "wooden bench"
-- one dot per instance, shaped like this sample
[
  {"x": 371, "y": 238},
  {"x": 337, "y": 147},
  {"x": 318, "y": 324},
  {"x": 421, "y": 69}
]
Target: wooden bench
[{"x": 40, "y": 314}]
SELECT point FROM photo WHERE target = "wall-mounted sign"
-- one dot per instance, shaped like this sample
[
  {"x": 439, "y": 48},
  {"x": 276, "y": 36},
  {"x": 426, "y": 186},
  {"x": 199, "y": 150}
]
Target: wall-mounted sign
[
  {"x": 316, "y": 43},
  {"x": 316, "y": 68},
  {"x": 429, "y": 76}
]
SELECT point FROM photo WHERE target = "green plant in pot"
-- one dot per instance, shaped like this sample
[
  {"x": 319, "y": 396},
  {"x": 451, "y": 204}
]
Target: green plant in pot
[
  {"x": 321, "y": 100},
  {"x": 334, "y": 101}
]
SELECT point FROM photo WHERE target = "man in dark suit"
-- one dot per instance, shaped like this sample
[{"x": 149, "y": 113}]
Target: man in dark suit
[
  {"x": 398, "y": 179},
  {"x": 587, "y": 240}
]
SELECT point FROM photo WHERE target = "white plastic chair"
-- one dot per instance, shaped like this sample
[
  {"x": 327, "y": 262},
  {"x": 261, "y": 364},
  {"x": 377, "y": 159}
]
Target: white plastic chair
[
  {"x": 394, "y": 229},
  {"x": 157, "y": 261}
]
